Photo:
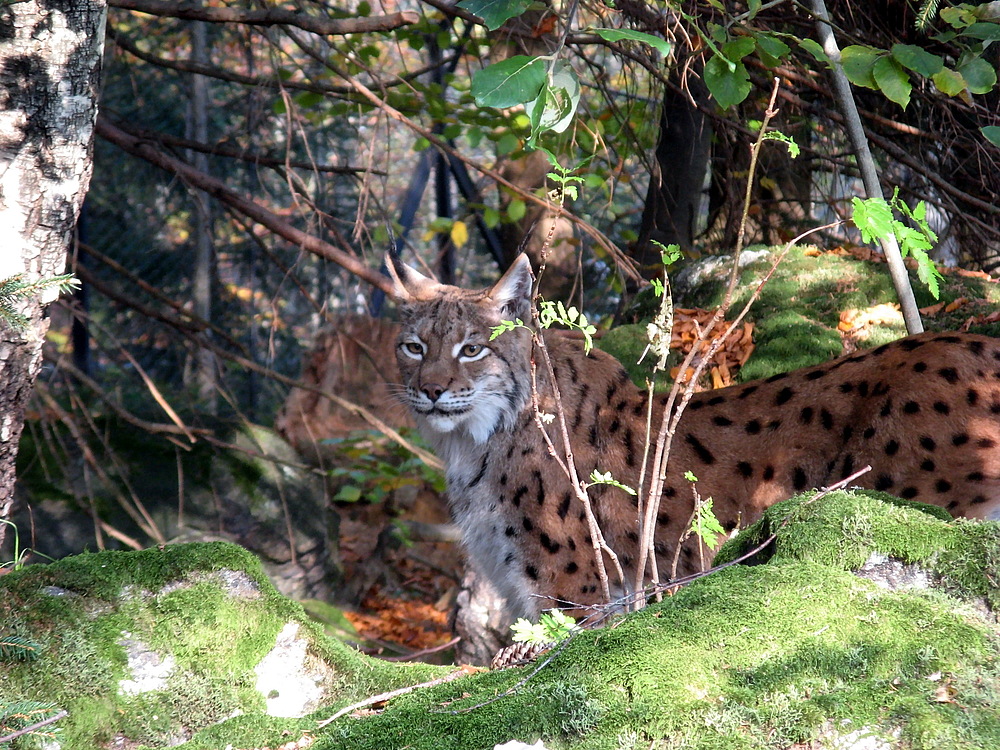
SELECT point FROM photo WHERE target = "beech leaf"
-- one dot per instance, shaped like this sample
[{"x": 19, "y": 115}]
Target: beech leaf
[
  {"x": 513, "y": 81},
  {"x": 892, "y": 80}
]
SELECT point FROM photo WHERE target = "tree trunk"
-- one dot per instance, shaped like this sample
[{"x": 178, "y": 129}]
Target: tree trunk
[
  {"x": 50, "y": 62},
  {"x": 202, "y": 292},
  {"x": 676, "y": 186}
]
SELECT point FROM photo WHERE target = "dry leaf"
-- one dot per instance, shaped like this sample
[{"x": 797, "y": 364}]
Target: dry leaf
[
  {"x": 975, "y": 275},
  {"x": 932, "y": 310}
]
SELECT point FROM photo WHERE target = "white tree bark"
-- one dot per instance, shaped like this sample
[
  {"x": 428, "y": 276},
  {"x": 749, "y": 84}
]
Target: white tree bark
[
  {"x": 866, "y": 165},
  {"x": 50, "y": 63}
]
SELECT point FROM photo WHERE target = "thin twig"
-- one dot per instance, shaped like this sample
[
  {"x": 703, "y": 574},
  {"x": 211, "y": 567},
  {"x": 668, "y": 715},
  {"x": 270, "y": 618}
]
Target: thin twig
[
  {"x": 34, "y": 727},
  {"x": 424, "y": 651},
  {"x": 383, "y": 697},
  {"x": 671, "y": 416}
]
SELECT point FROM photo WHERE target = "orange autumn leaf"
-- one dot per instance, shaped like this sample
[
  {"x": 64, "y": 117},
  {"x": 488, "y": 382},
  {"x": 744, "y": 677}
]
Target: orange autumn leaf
[
  {"x": 932, "y": 310},
  {"x": 544, "y": 27}
]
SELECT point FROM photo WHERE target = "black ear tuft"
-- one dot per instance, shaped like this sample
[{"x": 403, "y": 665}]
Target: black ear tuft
[{"x": 408, "y": 283}]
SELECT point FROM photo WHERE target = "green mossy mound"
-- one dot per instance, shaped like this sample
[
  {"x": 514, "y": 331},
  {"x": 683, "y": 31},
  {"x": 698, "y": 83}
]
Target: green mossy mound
[
  {"x": 844, "y": 529},
  {"x": 203, "y": 616},
  {"x": 797, "y": 313},
  {"x": 797, "y": 650},
  {"x": 793, "y": 651}
]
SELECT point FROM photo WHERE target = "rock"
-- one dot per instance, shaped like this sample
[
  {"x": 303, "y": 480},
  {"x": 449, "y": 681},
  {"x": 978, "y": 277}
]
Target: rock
[
  {"x": 157, "y": 648},
  {"x": 795, "y": 650}
]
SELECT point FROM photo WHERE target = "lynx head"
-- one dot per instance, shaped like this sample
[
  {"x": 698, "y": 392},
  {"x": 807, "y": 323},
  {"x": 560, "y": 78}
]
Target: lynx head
[{"x": 457, "y": 382}]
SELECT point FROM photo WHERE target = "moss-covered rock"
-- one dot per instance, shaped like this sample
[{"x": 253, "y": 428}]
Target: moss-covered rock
[
  {"x": 848, "y": 529},
  {"x": 154, "y": 648},
  {"x": 799, "y": 308},
  {"x": 796, "y": 650}
]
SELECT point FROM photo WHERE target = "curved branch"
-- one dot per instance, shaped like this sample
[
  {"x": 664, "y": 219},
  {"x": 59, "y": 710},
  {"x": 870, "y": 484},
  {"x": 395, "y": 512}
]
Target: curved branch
[
  {"x": 239, "y": 154},
  {"x": 221, "y": 74},
  {"x": 218, "y": 190},
  {"x": 270, "y": 17}
]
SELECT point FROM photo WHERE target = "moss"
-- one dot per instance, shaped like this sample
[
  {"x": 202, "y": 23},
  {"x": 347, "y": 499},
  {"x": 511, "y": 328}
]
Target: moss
[
  {"x": 754, "y": 657},
  {"x": 843, "y": 529},
  {"x": 798, "y": 310},
  {"x": 171, "y": 600},
  {"x": 627, "y": 344},
  {"x": 794, "y": 651}
]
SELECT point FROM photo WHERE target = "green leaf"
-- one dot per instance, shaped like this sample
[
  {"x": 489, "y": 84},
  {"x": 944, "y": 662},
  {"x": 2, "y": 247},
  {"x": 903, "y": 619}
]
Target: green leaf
[
  {"x": 815, "y": 49},
  {"x": 949, "y": 82},
  {"x": 892, "y": 80},
  {"x": 617, "y": 35},
  {"x": 495, "y": 12},
  {"x": 770, "y": 49},
  {"x": 777, "y": 135},
  {"x": 987, "y": 32},
  {"x": 516, "y": 209},
  {"x": 508, "y": 143},
  {"x": 958, "y": 17},
  {"x": 991, "y": 133},
  {"x": 706, "y": 525},
  {"x": 348, "y": 494},
  {"x": 491, "y": 217},
  {"x": 873, "y": 217},
  {"x": 736, "y": 49},
  {"x": 597, "y": 477},
  {"x": 309, "y": 99},
  {"x": 979, "y": 75},
  {"x": 555, "y": 106},
  {"x": 728, "y": 86},
  {"x": 474, "y": 135},
  {"x": 510, "y": 82},
  {"x": 917, "y": 59},
  {"x": 859, "y": 63}
]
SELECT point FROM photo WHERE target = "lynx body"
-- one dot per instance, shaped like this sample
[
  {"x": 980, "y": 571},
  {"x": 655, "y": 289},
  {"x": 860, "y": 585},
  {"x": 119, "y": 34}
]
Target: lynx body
[{"x": 923, "y": 411}]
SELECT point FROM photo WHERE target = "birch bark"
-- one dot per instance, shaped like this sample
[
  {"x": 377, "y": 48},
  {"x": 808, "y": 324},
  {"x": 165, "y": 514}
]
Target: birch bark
[{"x": 50, "y": 64}]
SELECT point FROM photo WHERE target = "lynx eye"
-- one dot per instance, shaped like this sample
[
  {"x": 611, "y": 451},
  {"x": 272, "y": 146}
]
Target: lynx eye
[
  {"x": 413, "y": 349},
  {"x": 472, "y": 352}
]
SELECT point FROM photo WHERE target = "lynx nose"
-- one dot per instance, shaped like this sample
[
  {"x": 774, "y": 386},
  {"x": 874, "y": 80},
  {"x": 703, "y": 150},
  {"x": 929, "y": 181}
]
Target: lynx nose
[{"x": 433, "y": 391}]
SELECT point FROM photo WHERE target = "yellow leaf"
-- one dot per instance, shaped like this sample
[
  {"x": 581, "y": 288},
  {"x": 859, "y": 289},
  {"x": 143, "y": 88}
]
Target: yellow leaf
[
  {"x": 459, "y": 233},
  {"x": 428, "y": 235}
]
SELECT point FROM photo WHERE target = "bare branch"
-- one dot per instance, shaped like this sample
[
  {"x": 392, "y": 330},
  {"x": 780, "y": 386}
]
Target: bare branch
[
  {"x": 240, "y": 154},
  {"x": 218, "y": 190},
  {"x": 383, "y": 697},
  {"x": 270, "y": 17}
]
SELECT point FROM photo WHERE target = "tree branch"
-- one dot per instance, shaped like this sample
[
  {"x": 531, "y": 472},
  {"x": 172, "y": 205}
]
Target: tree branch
[
  {"x": 218, "y": 190},
  {"x": 247, "y": 156},
  {"x": 270, "y": 17}
]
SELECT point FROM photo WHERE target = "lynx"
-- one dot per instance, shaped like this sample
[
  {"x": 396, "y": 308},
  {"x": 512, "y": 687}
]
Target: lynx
[{"x": 923, "y": 411}]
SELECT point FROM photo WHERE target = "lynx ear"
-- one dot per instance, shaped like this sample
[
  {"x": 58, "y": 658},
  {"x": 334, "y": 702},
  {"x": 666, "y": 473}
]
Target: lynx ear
[
  {"x": 513, "y": 292},
  {"x": 409, "y": 284}
]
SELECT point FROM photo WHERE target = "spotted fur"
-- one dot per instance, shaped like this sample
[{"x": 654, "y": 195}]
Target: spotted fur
[{"x": 924, "y": 412}]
